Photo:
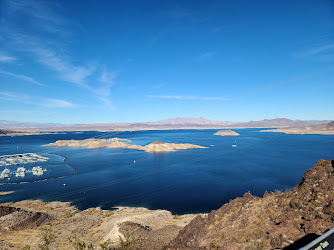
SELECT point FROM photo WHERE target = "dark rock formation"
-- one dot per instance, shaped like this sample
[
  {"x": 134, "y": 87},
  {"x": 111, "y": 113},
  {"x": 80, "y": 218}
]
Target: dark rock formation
[
  {"x": 12, "y": 218},
  {"x": 276, "y": 221},
  {"x": 330, "y": 125}
]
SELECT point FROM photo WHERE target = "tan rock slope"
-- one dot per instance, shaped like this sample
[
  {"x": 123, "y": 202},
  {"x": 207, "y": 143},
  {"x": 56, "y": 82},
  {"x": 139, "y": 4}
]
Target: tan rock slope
[
  {"x": 28, "y": 223},
  {"x": 156, "y": 146},
  {"x": 226, "y": 133},
  {"x": 275, "y": 221}
]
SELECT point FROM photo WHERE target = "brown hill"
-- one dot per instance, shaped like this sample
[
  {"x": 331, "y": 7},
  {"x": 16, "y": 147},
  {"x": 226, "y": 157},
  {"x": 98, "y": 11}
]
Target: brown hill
[
  {"x": 330, "y": 125},
  {"x": 275, "y": 221}
]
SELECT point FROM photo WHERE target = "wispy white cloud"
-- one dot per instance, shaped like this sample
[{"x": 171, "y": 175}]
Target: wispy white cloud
[
  {"x": 7, "y": 59},
  {"x": 182, "y": 97},
  {"x": 39, "y": 101},
  {"x": 21, "y": 77},
  {"x": 61, "y": 64},
  {"x": 108, "y": 76},
  {"x": 323, "y": 51},
  {"x": 57, "y": 103},
  {"x": 42, "y": 14},
  {"x": 17, "y": 97},
  {"x": 49, "y": 48},
  {"x": 103, "y": 91},
  {"x": 206, "y": 56}
]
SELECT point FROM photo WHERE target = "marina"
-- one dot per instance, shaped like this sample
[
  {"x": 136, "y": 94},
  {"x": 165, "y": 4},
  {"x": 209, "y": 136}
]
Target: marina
[
  {"x": 21, "y": 159},
  {"x": 17, "y": 159}
]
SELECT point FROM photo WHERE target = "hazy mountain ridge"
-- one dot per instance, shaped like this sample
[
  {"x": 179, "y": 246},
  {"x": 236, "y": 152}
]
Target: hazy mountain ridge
[{"x": 173, "y": 123}]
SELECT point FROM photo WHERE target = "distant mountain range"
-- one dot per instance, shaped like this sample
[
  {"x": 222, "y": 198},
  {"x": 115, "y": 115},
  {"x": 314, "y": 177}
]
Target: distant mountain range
[
  {"x": 173, "y": 123},
  {"x": 278, "y": 122},
  {"x": 8, "y": 124}
]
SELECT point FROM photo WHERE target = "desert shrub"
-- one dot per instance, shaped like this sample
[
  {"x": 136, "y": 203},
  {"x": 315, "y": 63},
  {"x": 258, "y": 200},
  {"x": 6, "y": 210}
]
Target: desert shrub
[
  {"x": 124, "y": 243},
  {"x": 106, "y": 245},
  {"x": 48, "y": 238},
  {"x": 256, "y": 245},
  {"x": 79, "y": 244}
]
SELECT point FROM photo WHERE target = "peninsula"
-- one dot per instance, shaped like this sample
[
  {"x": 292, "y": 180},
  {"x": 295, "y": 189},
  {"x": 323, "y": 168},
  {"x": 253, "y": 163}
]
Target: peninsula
[
  {"x": 226, "y": 133},
  {"x": 321, "y": 129},
  {"x": 156, "y": 146}
]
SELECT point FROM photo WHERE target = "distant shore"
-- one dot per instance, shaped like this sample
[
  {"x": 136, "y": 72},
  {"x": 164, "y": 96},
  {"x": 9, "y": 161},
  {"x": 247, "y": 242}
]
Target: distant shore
[
  {"x": 299, "y": 132},
  {"x": 6, "y": 192}
]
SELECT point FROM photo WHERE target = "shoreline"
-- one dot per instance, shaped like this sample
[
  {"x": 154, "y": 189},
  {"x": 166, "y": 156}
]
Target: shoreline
[
  {"x": 298, "y": 132},
  {"x": 121, "y": 130}
]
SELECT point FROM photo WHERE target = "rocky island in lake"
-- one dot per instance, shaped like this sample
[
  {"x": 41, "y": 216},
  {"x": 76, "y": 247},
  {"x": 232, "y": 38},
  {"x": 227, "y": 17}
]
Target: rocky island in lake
[
  {"x": 156, "y": 146},
  {"x": 226, "y": 133}
]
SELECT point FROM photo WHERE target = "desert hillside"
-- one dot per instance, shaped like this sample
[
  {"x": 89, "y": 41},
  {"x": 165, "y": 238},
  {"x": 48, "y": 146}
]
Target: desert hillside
[{"x": 275, "y": 221}]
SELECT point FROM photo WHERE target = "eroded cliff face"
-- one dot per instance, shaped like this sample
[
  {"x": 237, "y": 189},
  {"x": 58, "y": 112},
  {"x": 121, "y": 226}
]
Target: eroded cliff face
[{"x": 275, "y": 221}]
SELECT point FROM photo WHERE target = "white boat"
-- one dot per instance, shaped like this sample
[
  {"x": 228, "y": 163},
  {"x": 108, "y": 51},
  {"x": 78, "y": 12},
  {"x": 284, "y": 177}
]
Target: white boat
[
  {"x": 21, "y": 169},
  {"x": 6, "y": 171},
  {"x": 234, "y": 146},
  {"x": 3, "y": 175},
  {"x": 20, "y": 174},
  {"x": 38, "y": 172}
]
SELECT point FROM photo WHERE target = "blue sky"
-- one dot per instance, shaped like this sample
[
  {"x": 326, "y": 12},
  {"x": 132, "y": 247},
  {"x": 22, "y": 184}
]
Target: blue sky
[{"x": 130, "y": 61}]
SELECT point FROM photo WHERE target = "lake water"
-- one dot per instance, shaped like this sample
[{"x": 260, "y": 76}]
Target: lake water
[{"x": 185, "y": 181}]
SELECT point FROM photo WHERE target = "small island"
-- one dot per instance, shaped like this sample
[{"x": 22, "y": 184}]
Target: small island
[
  {"x": 156, "y": 146},
  {"x": 226, "y": 133}
]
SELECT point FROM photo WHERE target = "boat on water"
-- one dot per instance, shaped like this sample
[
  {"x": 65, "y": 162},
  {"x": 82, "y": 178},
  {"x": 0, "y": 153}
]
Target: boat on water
[
  {"x": 6, "y": 171},
  {"x": 20, "y": 174},
  {"x": 3, "y": 175},
  {"x": 21, "y": 169},
  {"x": 234, "y": 146}
]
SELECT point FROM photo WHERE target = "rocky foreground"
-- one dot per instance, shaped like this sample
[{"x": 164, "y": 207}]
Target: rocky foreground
[
  {"x": 156, "y": 146},
  {"x": 275, "y": 221},
  {"x": 322, "y": 129},
  {"x": 226, "y": 133},
  {"x": 58, "y": 225},
  {"x": 278, "y": 220}
]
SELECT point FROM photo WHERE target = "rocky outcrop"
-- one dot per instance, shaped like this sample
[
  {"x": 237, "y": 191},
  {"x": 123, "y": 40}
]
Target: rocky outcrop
[
  {"x": 157, "y": 146},
  {"x": 71, "y": 228},
  {"x": 226, "y": 133},
  {"x": 275, "y": 221},
  {"x": 89, "y": 143},
  {"x": 165, "y": 147},
  {"x": 12, "y": 218}
]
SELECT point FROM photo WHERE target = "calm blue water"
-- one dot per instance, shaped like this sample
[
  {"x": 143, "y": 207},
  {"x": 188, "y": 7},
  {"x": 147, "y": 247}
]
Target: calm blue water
[{"x": 193, "y": 180}]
